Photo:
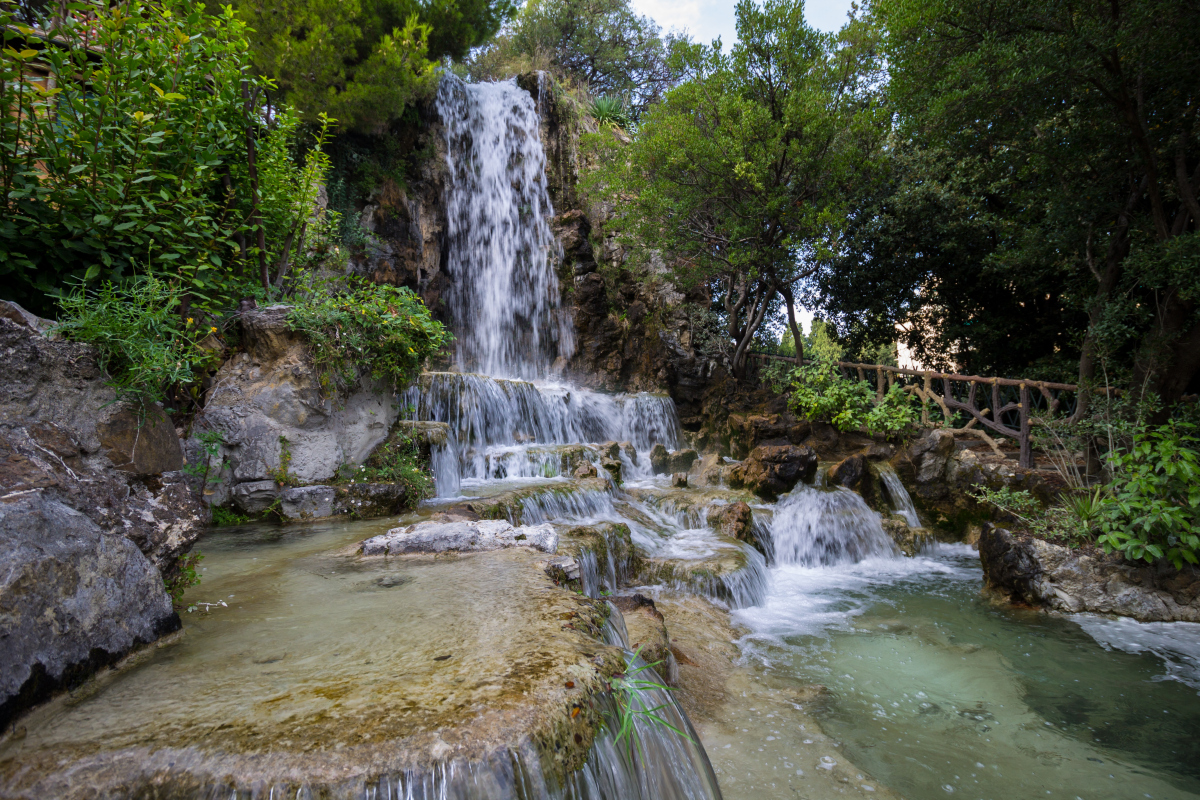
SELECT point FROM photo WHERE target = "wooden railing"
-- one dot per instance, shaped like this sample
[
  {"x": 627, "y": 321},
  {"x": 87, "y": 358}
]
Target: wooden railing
[{"x": 1005, "y": 414}]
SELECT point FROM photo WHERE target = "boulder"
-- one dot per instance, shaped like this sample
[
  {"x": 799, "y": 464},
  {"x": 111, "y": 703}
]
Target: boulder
[
  {"x": 585, "y": 471},
  {"x": 855, "y": 473},
  {"x": 748, "y": 431},
  {"x": 73, "y": 599},
  {"x": 372, "y": 500},
  {"x": 460, "y": 536},
  {"x": 613, "y": 467},
  {"x": 679, "y": 480},
  {"x": 929, "y": 455},
  {"x": 63, "y": 433},
  {"x": 909, "y": 540},
  {"x": 1031, "y": 571},
  {"x": 712, "y": 469},
  {"x": 307, "y": 502},
  {"x": 735, "y": 520},
  {"x": 660, "y": 460},
  {"x": 771, "y": 470},
  {"x": 630, "y": 452},
  {"x": 255, "y": 497},
  {"x": 682, "y": 460}
]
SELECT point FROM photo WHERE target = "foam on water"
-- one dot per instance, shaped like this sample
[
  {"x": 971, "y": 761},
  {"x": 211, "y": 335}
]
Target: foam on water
[
  {"x": 813, "y": 527},
  {"x": 1176, "y": 643}
]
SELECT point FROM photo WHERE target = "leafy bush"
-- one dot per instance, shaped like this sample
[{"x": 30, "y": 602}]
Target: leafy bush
[
  {"x": 385, "y": 329},
  {"x": 185, "y": 577},
  {"x": 398, "y": 460},
  {"x": 1153, "y": 511},
  {"x": 143, "y": 342},
  {"x": 821, "y": 393},
  {"x": 1064, "y": 522}
]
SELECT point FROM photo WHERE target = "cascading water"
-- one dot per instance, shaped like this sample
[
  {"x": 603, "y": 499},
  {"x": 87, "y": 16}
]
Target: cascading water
[
  {"x": 814, "y": 527},
  {"x": 504, "y": 297},
  {"x": 901, "y": 501}
]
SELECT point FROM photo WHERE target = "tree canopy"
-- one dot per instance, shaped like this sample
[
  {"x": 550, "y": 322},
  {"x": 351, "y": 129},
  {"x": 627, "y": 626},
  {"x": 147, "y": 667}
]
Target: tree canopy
[{"x": 742, "y": 173}]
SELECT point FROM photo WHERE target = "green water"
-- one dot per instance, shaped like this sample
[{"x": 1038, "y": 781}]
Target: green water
[{"x": 935, "y": 691}]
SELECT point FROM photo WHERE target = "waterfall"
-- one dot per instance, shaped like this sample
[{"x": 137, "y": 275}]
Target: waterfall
[
  {"x": 504, "y": 298},
  {"x": 901, "y": 501},
  {"x": 814, "y": 527}
]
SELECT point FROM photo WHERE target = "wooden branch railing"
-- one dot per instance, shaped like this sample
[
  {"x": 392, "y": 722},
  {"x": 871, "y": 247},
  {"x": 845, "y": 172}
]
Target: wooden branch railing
[{"x": 992, "y": 417}]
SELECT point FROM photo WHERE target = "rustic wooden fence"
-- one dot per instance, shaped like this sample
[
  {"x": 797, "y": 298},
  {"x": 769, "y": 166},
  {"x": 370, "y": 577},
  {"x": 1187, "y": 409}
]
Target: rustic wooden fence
[{"x": 1006, "y": 406}]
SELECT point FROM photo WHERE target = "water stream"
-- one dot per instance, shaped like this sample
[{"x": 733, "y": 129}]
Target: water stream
[{"x": 920, "y": 686}]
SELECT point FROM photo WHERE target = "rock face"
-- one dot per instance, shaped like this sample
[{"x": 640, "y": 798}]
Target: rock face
[
  {"x": 854, "y": 473},
  {"x": 930, "y": 453},
  {"x": 736, "y": 520},
  {"x": 1035, "y": 572},
  {"x": 73, "y": 598},
  {"x": 460, "y": 536},
  {"x": 773, "y": 469},
  {"x": 660, "y": 459},
  {"x": 63, "y": 436},
  {"x": 266, "y": 405}
]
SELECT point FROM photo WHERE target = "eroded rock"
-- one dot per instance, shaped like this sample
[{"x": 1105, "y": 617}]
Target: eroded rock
[
  {"x": 462, "y": 536},
  {"x": 854, "y": 473},
  {"x": 647, "y": 632},
  {"x": 73, "y": 598},
  {"x": 771, "y": 470}
]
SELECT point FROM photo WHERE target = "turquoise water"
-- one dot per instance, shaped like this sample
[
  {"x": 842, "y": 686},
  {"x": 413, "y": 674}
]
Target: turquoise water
[{"x": 936, "y": 691}]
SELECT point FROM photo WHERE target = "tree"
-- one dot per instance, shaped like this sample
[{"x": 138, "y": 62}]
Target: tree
[
  {"x": 362, "y": 61},
  {"x": 137, "y": 156},
  {"x": 1079, "y": 120},
  {"x": 601, "y": 45},
  {"x": 742, "y": 173}
]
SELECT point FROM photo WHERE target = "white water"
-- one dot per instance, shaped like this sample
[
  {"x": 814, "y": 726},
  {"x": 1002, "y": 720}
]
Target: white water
[
  {"x": 815, "y": 527},
  {"x": 504, "y": 297},
  {"x": 901, "y": 501}
]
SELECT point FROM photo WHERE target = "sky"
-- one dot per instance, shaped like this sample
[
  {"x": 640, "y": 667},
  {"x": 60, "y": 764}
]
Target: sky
[{"x": 705, "y": 20}]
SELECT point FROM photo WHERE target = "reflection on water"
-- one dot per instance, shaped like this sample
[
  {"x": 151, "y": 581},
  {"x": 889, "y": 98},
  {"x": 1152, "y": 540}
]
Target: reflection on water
[{"x": 934, "y": 690}]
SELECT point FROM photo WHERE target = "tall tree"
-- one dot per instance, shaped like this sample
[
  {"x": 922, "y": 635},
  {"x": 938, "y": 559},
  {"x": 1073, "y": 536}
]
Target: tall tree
[
  {"x": 1080, "y": 120},
  {"x": 741, "y": 175},
  {"x": 362, "y": 61}
]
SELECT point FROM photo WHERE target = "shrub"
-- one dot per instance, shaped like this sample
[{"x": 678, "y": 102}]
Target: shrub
[
  {"x": 398, "y": 460},
  {"x": 609, "y": 111},
  {"x": 143, "y": 342},
  {"x": 1153, "y": 510},
  {"x": 821, "y": 393},
  {"x": 386, "y": 329}
]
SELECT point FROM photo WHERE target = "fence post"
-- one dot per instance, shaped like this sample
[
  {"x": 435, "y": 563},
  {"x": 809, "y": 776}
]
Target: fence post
[
  {"x": 878, "y": 384},
  {"x": 1026, "y": 457}
]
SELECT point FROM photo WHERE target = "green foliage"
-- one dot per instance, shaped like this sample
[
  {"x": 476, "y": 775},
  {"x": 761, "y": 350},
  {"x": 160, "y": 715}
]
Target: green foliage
[
  {"x": 608, "y": 110},
  {"x": 282, "y": 474},
  {"x": 362, "y": 61},
  {"x": 601, "y": 46},
  {"x": 820, "y": 392},
  {"x": 743, "y": 171},
  {"x": 1153, "y": 511},
  {"x": 397, "y": 460},
  {"x": 227, "y": 517},
  {"x": 627, "y": 689},
  {"x": 129, "y": 169},
  {"x": 361, "y": 326},
  {"x": 1057, "y": 522},
  {"x": 142, "y": 341},
  {"x": 186, "y": 576},
  {"x": 1044, "y": 206}
]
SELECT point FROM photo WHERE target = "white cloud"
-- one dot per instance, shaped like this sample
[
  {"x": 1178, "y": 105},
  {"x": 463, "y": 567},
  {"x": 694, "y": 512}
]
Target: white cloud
[{"x": 704, "y": 20}]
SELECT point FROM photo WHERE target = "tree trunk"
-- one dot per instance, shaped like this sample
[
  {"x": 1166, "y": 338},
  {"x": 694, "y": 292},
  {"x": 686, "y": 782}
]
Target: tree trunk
[{"x": 797, "y": 337}]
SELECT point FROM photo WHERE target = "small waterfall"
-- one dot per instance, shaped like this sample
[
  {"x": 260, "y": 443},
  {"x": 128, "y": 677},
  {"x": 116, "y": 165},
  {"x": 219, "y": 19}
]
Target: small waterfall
[
  {"x": 814, "y": 527},
  {"x": 901, "y": 501},
  {"x": 443, "y": 462},
  {"x": 504, "y": 296}
]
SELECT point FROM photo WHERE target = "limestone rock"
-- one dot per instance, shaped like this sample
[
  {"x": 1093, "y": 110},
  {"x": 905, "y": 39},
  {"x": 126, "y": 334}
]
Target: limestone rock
[
  {"x": 268, "y": 407},
  {"x": 307, "y": 502},
  {"x": 630, "y": 452},
  {"x": 735, "y": 520},
  {"x": 909, "y": 540},
  {"x": 930, "y": 453},
  {"x": 748, "y": 431},
  {"x": 855, "y": 473},
  {"x": 771, "y": 470},
  {"x": 255, "y": 497},
  {"x": 647, "y": 633},
  {"x": 142, "y": 442},
  {"x": 72, "y": 599},
  {"x": 585, "y": 471},
  {"x": 660, "y": 459},
  {"x": 682, "y": 460},
  {"x": 371, "y": 500},
  {"x": 712, "y": 469},
  {"x": 613, "y": 467},
  {"x": 679, "y": 480},
  {"x": 59, "y": 425},
  {"x": 441, "y": 537},
  {"x": 1035, "y": 572}
]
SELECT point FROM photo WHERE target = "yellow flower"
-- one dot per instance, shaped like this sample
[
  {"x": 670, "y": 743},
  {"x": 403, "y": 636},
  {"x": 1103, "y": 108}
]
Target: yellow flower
[
  {"x": 213, "y": 329},
  {"x": 190, "y": 320}
]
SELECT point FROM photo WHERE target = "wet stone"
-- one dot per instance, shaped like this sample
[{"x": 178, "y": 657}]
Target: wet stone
[{"x": 441, "y": 537}]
